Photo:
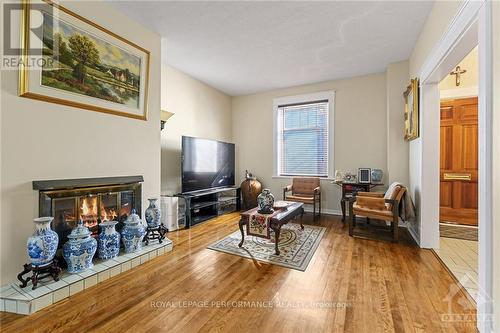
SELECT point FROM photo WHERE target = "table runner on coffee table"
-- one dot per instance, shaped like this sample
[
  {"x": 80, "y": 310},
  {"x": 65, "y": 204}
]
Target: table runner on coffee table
[{"x": 259, "y": 224}]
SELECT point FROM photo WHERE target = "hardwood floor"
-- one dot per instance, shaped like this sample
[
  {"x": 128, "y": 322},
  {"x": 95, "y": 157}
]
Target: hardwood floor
[{"x": 351, "y": 285}]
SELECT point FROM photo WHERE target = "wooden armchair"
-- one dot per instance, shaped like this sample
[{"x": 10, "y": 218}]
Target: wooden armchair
[
  {"x": 379, "y": 206},
  {"x": 306, "y": 190}
]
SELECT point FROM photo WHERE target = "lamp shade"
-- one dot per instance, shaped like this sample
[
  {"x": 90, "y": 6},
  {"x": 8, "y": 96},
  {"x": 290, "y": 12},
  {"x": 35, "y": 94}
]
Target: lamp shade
[{"x": 165, "y": 115}]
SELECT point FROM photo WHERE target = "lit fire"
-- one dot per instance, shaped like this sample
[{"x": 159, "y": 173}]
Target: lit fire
[
  {"x": 108, "y": 214},
  {"x": 88, "y": 211}
]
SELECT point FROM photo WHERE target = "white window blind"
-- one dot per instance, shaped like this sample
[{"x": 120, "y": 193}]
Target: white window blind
[{"x": 302, "y": 142}]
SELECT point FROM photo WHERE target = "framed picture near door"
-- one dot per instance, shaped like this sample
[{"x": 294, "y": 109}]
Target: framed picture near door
[
  {"x": 83, "y": 65},
  {"x": 411, "y": 110}
]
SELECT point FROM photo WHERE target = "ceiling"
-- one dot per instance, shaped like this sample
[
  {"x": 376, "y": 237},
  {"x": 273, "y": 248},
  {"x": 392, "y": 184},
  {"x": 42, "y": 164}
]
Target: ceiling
[{"x": 247, "y": 47}]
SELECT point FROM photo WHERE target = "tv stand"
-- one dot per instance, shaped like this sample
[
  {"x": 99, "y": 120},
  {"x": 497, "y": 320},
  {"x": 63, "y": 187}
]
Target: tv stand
[{"x": 205, "y": 205}]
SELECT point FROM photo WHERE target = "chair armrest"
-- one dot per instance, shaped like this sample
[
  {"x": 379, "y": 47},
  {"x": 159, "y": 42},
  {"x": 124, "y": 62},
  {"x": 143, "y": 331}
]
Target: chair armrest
[
  {"x": 371, "y": 194},
  {"x": 395, "y": 206},
  {"x": 287, "y": 188},
  {"x": 317, "y": 190}
]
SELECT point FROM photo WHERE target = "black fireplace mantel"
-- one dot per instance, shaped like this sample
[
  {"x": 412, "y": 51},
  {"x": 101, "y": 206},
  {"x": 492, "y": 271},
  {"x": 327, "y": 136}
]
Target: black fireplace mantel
[{"x": 60, "y": 184}]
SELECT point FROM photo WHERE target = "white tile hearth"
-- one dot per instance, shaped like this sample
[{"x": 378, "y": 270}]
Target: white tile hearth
[{"x": 27, "y": 301}]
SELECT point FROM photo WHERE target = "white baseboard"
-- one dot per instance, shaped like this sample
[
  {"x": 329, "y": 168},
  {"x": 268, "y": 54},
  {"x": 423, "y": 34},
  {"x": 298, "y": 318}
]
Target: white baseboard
[
  {"x": 324, "y": 211},
  {"x": 414, "y": 235}
]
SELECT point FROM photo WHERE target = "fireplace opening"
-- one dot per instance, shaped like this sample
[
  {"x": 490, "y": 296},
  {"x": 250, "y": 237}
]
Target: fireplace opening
[{"x": 91, "y": 200}]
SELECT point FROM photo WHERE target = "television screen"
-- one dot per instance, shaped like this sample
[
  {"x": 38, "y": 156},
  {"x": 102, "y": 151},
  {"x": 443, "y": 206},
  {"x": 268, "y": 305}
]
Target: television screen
[{"x": 206, "y": 164}]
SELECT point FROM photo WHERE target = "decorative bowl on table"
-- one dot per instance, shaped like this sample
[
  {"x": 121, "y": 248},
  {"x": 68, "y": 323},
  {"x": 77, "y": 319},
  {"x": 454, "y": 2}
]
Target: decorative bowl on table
[{"x": 281, "y": 204}]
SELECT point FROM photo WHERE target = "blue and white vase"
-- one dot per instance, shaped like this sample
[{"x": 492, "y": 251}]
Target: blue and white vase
[
  {"x": 80, "y": 249},
  {"x": 108, "y": 240},
  {"x": 265, "y": 200},
  {"x": 133, "y": 232},
  {"x": 42, "y": 246},
  {"x": 153, "y": 214}
]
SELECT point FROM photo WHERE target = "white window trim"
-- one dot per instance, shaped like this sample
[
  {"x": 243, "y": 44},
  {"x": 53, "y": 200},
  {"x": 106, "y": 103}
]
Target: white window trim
[{"x": 322, "y": 95}]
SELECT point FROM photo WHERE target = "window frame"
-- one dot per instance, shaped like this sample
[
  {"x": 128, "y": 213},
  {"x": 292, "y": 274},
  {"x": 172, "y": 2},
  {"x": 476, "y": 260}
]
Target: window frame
[{"x": 304, "y": 99}]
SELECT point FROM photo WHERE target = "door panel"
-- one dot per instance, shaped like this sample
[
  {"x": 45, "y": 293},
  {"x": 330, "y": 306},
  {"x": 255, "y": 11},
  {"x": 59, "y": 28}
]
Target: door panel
[
  {"x": 445, "y": 194},
  {"x": 446, "y": 147},
  {"x": 459, "y": 161},
  {"x": 469, "y": 147}
]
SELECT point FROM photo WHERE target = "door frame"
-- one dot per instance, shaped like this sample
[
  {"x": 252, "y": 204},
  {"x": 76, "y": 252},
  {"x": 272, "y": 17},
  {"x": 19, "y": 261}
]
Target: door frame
[{"x": 471, "y": 26}]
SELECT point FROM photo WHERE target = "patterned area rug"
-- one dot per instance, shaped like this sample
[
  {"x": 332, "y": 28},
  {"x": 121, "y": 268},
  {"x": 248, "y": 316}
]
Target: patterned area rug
[
  {"x": 296, "y": 246},
  {"x": 458, "y": 231}
]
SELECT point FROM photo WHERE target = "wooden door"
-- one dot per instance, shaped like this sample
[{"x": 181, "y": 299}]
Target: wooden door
[{"x": 459, "y": 161}]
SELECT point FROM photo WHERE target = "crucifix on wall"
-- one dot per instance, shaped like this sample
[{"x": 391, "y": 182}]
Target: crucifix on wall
[{"x": 457, "y": 72}]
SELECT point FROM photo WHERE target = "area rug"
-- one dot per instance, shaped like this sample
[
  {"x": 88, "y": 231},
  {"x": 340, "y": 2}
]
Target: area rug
[
  {"x": 297, "y": 246},
  {"x": 458, "y": 231}
]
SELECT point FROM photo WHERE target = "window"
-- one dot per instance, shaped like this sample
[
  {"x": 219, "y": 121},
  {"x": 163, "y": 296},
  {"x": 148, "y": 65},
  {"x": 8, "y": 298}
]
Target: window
[{"x": 302, "y": 128}]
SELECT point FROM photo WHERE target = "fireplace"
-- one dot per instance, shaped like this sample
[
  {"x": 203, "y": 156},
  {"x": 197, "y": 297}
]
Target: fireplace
[{"x": 92, "y": 200}]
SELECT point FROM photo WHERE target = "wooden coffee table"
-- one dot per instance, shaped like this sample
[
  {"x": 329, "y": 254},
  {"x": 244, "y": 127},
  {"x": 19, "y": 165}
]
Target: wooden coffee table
[{"x": 283, "y": 217}]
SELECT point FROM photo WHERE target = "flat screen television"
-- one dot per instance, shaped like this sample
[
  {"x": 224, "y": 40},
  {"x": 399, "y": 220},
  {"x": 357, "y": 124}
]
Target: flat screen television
[{"x": 206, "y": 164}]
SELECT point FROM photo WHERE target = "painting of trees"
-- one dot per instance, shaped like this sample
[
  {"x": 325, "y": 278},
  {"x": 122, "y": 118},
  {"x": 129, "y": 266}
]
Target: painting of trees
[
  {"x": 82, "y": 63},
  {"x": 84, "y": 53},
  {"x": 64, "y": 53}
]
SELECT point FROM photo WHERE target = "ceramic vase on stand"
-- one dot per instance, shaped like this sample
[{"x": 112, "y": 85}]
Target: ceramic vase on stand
[
  {"x": 133, "y": 232},
  {"x": 153, "y": 214},
  {"x": 80, "y": 249},
  {"x": 42, "y": 246},
  {"x": 108, "y": 240}
]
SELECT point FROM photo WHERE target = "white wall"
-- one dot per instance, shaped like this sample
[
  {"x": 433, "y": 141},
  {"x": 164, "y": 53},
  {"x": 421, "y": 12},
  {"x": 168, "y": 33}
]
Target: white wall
[
  {"x": 42, "y": 140},
  {"x": 496, "y": 162},
  {"x": 360, "y": 131},
  {"x": 436, "y": 25},
  {"x": 397, "y": 146},
  {"x": 199, "y": 110}
]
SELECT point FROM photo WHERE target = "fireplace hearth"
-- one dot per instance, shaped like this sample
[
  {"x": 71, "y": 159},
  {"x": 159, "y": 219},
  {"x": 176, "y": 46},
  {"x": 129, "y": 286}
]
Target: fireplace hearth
[{"x": 93, "y": 200}]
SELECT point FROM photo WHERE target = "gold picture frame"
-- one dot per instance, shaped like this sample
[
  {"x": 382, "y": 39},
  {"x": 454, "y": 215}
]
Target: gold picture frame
[
  {"x": 411, "y": 115},
  {"x": 116, "y": 82}
]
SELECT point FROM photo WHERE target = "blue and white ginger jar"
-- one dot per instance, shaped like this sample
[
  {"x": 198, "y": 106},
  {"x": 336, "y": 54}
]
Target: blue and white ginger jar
[
  {"x": 108, "y": 240},
  {"x": 153, "y": 214},
  {"x": 42, "y": 246},
  {"x": 133, "y": 232},
  {"x": 80, "y": 249},
  {"x": 265, "y": 200}
]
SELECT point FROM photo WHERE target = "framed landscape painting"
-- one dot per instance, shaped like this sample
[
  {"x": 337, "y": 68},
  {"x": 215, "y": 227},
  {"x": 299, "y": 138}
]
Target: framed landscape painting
[
  {"x": 81, "y": 64},
  {"x": 411, "y": 111}
]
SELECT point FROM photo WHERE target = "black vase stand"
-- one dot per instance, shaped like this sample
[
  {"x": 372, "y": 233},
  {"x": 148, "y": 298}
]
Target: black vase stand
[
  {"x": 39, "y": 272},
  {"x": 155, "y": 233}
]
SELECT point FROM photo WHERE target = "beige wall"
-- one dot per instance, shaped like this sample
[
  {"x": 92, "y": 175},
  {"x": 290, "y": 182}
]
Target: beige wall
[
  {"x": 397, "y": 147},
  {"x": 360, "y": 131},
  {"x": 437, "y": 22},
  {"x": 200, "y": 111},
  {"x": 469, "y": 78},
  {"x": 48, "y": 141}
]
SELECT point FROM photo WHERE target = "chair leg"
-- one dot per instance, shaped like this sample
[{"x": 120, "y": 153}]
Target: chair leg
[
  {"x": 314, "y": 210},
  {"x": 320, "y": 205},
  {"x": 351, "y": 224},
  {"x": 395, "y": 230}
]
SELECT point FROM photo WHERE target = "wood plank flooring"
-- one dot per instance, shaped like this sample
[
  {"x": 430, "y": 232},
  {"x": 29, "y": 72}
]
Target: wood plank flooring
[{"x": 351, "y": 285}]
